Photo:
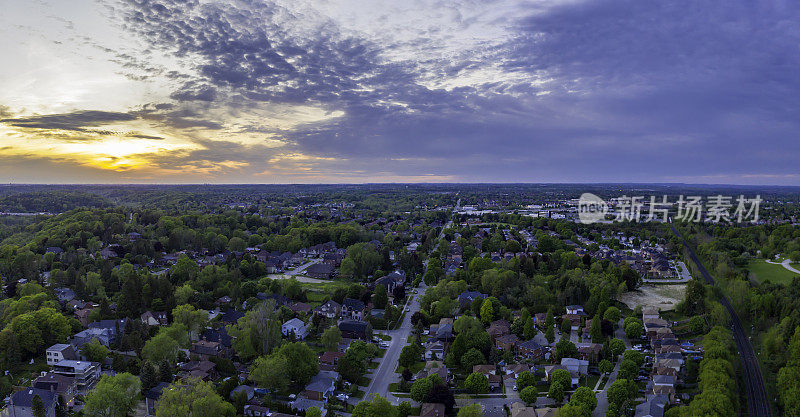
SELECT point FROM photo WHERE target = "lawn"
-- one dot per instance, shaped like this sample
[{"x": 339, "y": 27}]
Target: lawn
[
  {"x": 414, "y": 368},
  {"x": 774, "y": 273},
  {"x": 591, "y": 381}
]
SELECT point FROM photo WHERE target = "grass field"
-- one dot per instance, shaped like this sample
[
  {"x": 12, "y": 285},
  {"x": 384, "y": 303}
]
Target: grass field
[{"x": 774, "y": 273}]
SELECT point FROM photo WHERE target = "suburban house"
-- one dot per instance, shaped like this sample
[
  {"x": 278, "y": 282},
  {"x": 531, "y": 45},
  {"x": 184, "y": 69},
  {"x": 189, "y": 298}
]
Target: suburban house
[
  {"x": 353, "y": 309},
  {"x": 578, "y": 366},
  {"x": 294, "y": 327},
  {"x": 652, "y": 407},
  {"x": 152, "y": 396},
  {"x": 203, "y": 370},
  {"x": 320, "y": 388},
  {"x": 85, "y": 374},
  {"x": 548, "y": 372},
  {"x": 506, "y": 342},
  {"x": 21, "y": 404},
  {"x": 154, "y": 318},
  {"x": 498, "y": 328},
  {"x": 206, "y": 349},
  {"x": 432, "y": 410},
  {"x": 352, "y": 329},
  {"x": 60, "y": 385},
  {"x": 434, "y": 351},
  {"x": 590, "y": 352},
  {"x": 520, "y": 410},
  {"x": 320, "y": 271},
  {"x": 329, "y": 309},
  {"x": 329, "y": 360},
  {"x": 59, "y": 352},
  {"x": 467, "y": 297},
  {"x": 517, "y": 369},
  {"x": 392, "y": 280},
  {"x": 576, "y": 309},
  {"x": 530, "y": 349}
]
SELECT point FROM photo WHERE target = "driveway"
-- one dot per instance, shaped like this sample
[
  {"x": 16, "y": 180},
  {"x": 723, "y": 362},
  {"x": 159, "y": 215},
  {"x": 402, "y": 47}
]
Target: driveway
[
  {"x": 786, "y": 264},
  {"x": 296, "y": 273}
]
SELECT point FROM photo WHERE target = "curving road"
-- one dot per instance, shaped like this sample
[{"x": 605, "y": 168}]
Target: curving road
[{"x": 757, "y": 401}]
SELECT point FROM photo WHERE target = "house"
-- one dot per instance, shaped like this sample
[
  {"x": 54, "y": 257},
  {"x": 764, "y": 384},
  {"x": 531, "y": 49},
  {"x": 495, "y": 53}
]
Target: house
[
  {"x": 434, "y": 367},
  {"x": 206, "y": 349},
  {"x": 444, "y": 332},
  {"x": 61, "y": 385},
  {"x": 59, "y": 352},
  {"x": 467, "y": 297},
  {"x": 231, "y": 317},
  {"x": 86, "y": 374},
  {"x": 114, "y": 327},
  {"x": 203, "y": 370},
  {"x": 320, "y": 271},
  {"x": 83, "y": 315},
  {"x": 590, "y": 352},
  {"x": 392, "y": 280},
  {"x": 530, "y": 349},
  {"x": 434, "y": 351},
  {"x": 302, "y": 404},
  {"x": 251, "y": 410},
  {"x": 539, "y": 319},
  {"x": 673, "y": 364},
  {"x": 576, "y": 309},
  {"x": 498, "y": 328},
  {"x": 652, "y": 407},
  {"x": 295, "y": 327},
  {"x": 507, "y": 342},
  {"x": 578, "y": 366},
  {"x": 517, "y": 369},
  {"x": 485, "y": 369},
  {"x": 21, "y": 404},
  {"x": 152, "y": 396},
  {"x": 65, "y": 294},
  {"x": 249, "y": 392},
  {"x": 329, "y": 360},
  {"x": 519, "y": 410},
  {"x": 432, "y": 410},
  {"x": 301, "y": 308},
  {"x": 353, "y": 309},
  {"x": 663, "y": 380},
  {"x": 154, "y": 318},
  {"x": 546, "y": 412},
  {"x": 329, "y": 309},
  {"x": 217, "y": 335},
  {"x": 548, "y": 372},
  {"x": 320, "y": 388},
  {"x": 352, "y": 329}
]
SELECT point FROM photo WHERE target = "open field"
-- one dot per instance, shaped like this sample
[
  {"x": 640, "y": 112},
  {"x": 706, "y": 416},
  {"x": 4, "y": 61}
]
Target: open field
[
  {"x": 663, "y": 297},
  {"x": 764, "y": 271}
]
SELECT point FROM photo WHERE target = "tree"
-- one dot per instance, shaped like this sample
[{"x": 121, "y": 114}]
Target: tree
[
  {"x": 612, "y": 314},
  {"x": 303, "y": 360},
  {"x": 376, "y": 406},
  {"x": 258, "y": 332},
  {"x": 148, "y": 375},
  {"x": 697, "y": 324},
  {"x": 37, "y": 406},
  {"x": 404, "y": 409},
  {"x": 526, "y": 379},
  {"x": 313, "y": 412},
  {"x": 421, "y": 387},
  {"x": 616, "y": 346},
  {"x": 471, "y": 358},
  {"x": 529, "y": 331},
  {"x": 572, "y": 410},
  {"x": 190, "y": 317},
  {"x": 465, "y": 324},
  {"x": 271, "y": 372},
  {"x": 331, "y": 337},
  {"x": 565, "y": 349},
  {"x": 605, "y": 366},
  {"x": 95, "y": 351},
  {"x": 560, "y": 382},
  {"x": 477, "y": 383},
  {"x": 584, "y": 398},
  {"x": 596, "y": 330},
  {"x": 634, "y": 329},
  {"x": 472, "y": 410},
  {"x": 442, "y": 394},
  {"x": 550, "y": 334},
  {"x": 381, "y": 296},
  {"x": 161, "y": 348},
  {"x": 114, "y": 396},
  {"x": 193, "y": 398},
  {"x": 627, "y": 369},
  {"x": 621, "y": 391},
  {"x": 410, "y": 355},
  {"x": 529, "y": 394},
  {"x": 487, "y": 311}
]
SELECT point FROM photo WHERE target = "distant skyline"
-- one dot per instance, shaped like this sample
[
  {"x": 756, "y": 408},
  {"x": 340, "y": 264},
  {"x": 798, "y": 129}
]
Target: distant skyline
[{"x": 342, "y": 91}]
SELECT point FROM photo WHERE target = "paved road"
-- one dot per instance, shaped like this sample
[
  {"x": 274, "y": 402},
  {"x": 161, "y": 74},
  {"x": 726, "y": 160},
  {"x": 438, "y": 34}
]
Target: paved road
[
  {"x": 786, "y": 264},
  {"x": 757, "y": 401},
  {"x": 384, "y": 374},
  {"x": 683, "y": 276},
  {"x": 299, "y": 270},
  {"x": 602, "y": 399}
]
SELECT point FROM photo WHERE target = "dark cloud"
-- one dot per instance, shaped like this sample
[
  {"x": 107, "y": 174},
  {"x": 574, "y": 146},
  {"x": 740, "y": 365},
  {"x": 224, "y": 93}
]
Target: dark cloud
[
  {"x": 609, "y": 90},
  {"x": 141, "y": 136},
  {"x": 78, "y": 121}
]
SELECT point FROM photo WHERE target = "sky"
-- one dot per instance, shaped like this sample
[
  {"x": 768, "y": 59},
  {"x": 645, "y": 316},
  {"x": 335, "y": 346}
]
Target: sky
[{"x": 345, "y": 91}]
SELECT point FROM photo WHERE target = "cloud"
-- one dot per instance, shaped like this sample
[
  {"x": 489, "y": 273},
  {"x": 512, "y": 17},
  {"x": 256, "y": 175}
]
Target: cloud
[{"x": 75, "y": 121}]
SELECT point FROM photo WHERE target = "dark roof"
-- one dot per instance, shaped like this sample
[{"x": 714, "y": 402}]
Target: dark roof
[
  {"x": 155, "y": 392},
  {"x": 24, "y": 398},
  {"x": 217, "y": 335},
  {"x": 530, "y": 345},
  {"x": 109, "y": 324},
  {"x": 353, "y": 304},
  {"x": 353, "y": 326},
  {"x": 320, "y": 269},
  {"x": 231, "y": 316}
]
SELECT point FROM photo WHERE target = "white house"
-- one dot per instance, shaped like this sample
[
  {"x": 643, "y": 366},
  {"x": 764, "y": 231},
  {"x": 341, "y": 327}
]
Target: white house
[
  {"x": 295, "y": 326},
  {"x": 575, "y": 309}
]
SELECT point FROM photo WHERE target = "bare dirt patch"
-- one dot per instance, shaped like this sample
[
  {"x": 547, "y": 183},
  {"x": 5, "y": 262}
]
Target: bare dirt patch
[{"x": 663, "y": 297}]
